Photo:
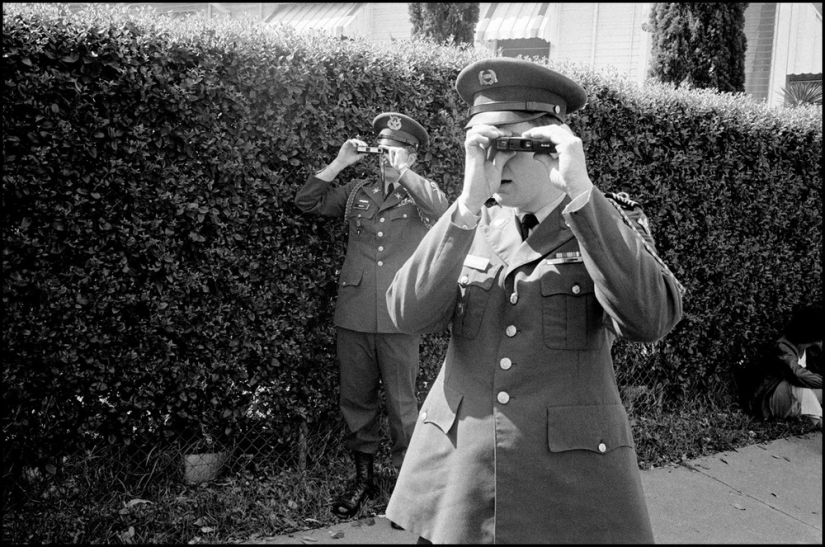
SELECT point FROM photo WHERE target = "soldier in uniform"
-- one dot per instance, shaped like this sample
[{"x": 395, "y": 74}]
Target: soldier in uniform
[
  {"x": 523, "y": 437},
  {"x": 387, "y": 217}
]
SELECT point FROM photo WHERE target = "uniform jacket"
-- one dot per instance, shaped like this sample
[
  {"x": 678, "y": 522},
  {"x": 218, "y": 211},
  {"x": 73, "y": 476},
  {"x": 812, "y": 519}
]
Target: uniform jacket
[
  {"x": 523, "y": 437},
  {"x": 382, "y": 235},
  {"x": 783, "y": 364}
]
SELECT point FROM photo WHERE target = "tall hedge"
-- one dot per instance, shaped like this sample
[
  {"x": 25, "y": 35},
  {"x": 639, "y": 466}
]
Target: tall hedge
[{"x": 158, "y": 280}]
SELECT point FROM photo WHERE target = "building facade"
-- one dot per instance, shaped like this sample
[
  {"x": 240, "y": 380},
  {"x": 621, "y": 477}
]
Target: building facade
[{"x": 784, "y": 39}]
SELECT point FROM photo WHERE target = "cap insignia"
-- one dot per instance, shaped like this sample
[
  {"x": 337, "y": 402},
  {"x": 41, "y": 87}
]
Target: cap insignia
[
  {"x": 487, "y": 77},
  {"x": 394, "y": 123}
]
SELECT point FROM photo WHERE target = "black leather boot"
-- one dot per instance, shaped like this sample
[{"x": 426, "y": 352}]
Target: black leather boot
[{"x": 363, "y": 488}]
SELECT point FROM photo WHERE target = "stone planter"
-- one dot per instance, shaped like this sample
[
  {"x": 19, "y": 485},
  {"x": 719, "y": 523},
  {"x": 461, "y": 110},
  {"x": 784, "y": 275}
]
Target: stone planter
[{"x": 198, "y": 468}]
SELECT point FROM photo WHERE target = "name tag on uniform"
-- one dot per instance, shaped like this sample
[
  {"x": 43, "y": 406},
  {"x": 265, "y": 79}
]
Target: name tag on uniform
[
  {"x": 477, "y": 262},
  {"x": 571, "y": 257},
  {"x": 361, "y": 206}
]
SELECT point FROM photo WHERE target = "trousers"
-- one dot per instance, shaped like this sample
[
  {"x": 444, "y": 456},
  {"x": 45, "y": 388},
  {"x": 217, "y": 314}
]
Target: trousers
[{"x": 367, "y": 360}]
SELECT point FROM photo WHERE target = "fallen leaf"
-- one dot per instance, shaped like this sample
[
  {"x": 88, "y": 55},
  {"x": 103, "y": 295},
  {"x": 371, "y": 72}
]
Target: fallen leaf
[
  {"x": 307, "y": 538},
  {"x": 337, "y": 534},
  {"x": 314, "y": 520},
  {"x": 774, "y": 456},
  {"x": 207, "y": 529},
  {"x": 738, "y": 506},
  {"x": 135, "y": 502},
  {"x": 723, "y": 460},
  {"x": 785, "y": 458},
  {"x": 199, "y": 522},
  {"x": 774, "y": 495},
  {"x": 291, "y": 504}
]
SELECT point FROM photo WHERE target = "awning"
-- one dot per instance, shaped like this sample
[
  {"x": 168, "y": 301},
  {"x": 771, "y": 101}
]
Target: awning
[
  {"x": 332, "y": 18},
  {"x": 510, "y": 21}
]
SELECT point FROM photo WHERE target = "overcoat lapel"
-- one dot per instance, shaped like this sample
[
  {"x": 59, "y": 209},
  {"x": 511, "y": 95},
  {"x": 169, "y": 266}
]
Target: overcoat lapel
[
  {"x": 551, "y": 234},
  {"x": 502, "y": 233}
]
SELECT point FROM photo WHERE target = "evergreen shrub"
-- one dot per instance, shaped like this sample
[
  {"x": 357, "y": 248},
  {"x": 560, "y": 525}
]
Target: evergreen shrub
[{"x": 158, "y": 280}]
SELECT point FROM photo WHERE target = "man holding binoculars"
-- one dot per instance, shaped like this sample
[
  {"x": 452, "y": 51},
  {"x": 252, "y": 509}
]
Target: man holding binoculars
[{"x": 387, "y": 215}]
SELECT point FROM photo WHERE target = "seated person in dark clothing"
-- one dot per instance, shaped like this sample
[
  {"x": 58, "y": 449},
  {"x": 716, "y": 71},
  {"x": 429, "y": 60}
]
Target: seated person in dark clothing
[{"x": 792, "y": 382}]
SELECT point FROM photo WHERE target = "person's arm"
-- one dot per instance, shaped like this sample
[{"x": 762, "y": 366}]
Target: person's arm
[
  {"x": 316, "y": 196},
  {"x": 427, "y": 196},
  {"x": 635, "y": 288},
  {"x": 786, "y": 359}
]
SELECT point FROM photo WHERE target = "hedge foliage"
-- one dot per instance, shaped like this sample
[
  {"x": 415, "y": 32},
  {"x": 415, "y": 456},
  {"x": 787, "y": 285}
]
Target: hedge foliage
[{"x": 157, "y": 278}]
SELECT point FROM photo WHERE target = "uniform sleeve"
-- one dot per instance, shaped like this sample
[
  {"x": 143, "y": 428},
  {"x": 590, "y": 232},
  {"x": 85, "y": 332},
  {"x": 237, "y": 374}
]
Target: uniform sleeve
[
  {"x": 786, "y": 360},
  {"x": 427, "y": 196},
  {"x": 638, "y": 292},
  {"x": 316, "y": 197},
  {"x": 423, "y": 293}
]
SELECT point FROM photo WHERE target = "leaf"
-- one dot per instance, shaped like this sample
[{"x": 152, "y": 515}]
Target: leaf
[
  {"x": 136, "y": 501},
  {"x": 199, "y": 522},
  {"x": 207, "y": 529},
  {"x": 51, "y": 469},
  {"x": 336, "y": 534},
  {"x": 311, "y": 540},
  {"x": 738, "y": 506}
]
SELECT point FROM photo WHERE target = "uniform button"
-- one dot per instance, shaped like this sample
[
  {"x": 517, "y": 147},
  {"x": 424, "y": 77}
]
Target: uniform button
[
  {"x": 511, "y": 331},
  {"x": 423, "y": 415},
  {"x": 513, "y": 298},
  {"x": 344, "y": 283},
  {"x": 503, "y": 397},
  {"x": 381, "y": 219},
  {"x": 380, "y": 234},
  {"x": 464, "y": 280},
  {"x": 576, "y": 289},
  {"x": 506, "y": 363},
  {"x": 380, "y": 247},
  {"x": 380, "y": 263},
  {"x": 405, "y": 215},
  {"x": 602, "y": 448}
]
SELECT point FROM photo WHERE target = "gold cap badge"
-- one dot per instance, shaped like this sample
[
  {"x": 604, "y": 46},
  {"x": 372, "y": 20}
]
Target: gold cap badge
[
  {"x": 487, "y": 77},
  {"x": 394, "y": 123}
]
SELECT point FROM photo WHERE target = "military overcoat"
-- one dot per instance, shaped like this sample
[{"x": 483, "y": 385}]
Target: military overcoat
[
  {"x": 383, "y": 233},
  {"x": 523, "y": 437}
]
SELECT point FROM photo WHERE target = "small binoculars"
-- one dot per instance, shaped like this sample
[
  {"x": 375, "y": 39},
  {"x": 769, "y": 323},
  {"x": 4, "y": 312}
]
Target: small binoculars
[
  {"x": 518, "y": 144},
  {"x": 370, "y": 150}
]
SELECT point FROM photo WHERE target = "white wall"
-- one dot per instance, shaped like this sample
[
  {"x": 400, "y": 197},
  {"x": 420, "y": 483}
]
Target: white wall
[
  {"x": 797, "y": 46},
  {"x": 390, "y": 21}
]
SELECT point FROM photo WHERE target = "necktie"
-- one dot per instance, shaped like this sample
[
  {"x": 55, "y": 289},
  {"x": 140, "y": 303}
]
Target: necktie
[
  {"x": 390, "y": 190},
  {"x": 528, "y": 222}
]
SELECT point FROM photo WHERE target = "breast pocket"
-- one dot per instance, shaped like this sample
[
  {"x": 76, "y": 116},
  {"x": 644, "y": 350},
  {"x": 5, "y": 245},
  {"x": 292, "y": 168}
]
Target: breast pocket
[
  {"x": 474, "y": 287},
  {"x": 569, "y": 307},
  {"x": 361, "y": 214},
  {"x": 402, "y": 212},
  {"x": 597, "y": 428}
]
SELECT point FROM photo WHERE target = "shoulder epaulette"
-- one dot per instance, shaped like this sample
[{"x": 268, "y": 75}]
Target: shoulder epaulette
[{"x": 634, "y": 217}]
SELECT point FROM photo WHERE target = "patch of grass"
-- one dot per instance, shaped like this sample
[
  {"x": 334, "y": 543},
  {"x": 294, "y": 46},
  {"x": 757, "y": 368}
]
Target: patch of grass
[{"x": 94, "y": 499}]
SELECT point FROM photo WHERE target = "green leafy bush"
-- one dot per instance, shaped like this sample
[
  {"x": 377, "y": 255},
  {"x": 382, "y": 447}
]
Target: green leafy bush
[{"x": 158, "y": 280}]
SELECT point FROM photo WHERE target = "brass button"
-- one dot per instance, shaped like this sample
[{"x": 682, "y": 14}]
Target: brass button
[
  {"x": 380, "y": 263},
  {"x": 380, "y": 248},
  {"x": 506, "y": 363},
  {"x": 381, "y": 219},
  {"x": 405, "y": 215},
  {"x": 380, "y": 234},
  {"x": 576, "y": 289},
  {"x": 503, "y": 397},
  {"x": 602, "y": 448},
  {"x": 511, "y": 331},
  {"x": 513, "y": 298}
]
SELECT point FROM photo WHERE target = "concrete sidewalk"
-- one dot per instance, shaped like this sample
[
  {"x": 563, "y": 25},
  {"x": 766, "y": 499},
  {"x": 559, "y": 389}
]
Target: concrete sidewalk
[{"x": 769, "y": 493}]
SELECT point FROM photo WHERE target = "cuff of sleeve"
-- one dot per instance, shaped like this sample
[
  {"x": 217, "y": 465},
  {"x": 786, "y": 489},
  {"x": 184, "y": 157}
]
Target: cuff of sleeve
[
  {"x": 579, "y": 202},
  {"x": 464, "y": 218}
]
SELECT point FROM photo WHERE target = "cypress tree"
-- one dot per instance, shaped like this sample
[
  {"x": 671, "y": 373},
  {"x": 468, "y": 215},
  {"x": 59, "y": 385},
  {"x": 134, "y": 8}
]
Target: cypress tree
[
  {"x": 441, "y": 20},
  {"x": 701, "y": 44}
]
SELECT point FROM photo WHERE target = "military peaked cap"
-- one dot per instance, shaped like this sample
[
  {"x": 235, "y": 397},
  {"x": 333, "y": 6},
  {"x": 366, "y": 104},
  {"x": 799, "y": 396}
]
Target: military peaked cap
[
  {"x": 503, "y": 90},
  {"x": 401, "y": 128}
]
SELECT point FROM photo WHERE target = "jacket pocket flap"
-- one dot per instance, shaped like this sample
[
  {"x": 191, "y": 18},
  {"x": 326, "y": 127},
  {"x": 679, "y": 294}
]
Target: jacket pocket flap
[
  {"x": 351, "y": 277},
  {"x": 441, "y": 411},
  {"x": 471, "y": 277},
  {"x": 402, "y": 211},
  {"x": 571, "y": 284},
  {"x": 598, "y": 428}
]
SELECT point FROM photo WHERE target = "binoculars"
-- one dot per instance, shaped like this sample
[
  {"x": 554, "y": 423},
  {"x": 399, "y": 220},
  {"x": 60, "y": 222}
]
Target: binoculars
[
  {"x": 370, "y": 150},
  {"x": 519, "y": 144}
]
